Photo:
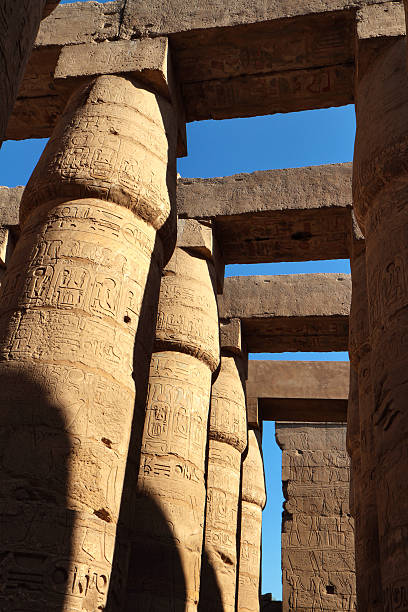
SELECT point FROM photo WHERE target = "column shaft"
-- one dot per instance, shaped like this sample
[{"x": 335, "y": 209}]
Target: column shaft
[
  {"x": 381, "y": 205},
  {"x": 369, "y": 596},
  {"x": 253, "y": 499},
  {"x": 169, "y": 510},
  {"x": 70, "y": 306},
  {"x": 227, "y": 439}
]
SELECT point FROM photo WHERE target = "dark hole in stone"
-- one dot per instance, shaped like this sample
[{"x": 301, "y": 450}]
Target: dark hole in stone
[
  {"x": 127, "y": 319},
  {"x": 330, "y": 589},
  {"x": 60, "y": 575},
  {"x": 301, "y": 236}
]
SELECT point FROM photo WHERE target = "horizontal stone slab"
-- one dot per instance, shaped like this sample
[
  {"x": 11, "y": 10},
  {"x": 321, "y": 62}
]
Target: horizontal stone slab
[
  {"x": 295, "y": 214},
  {"x": 305, "y": 312},
  {"x": 147, "y": 60},
  {"x": 233, "y": 59}
]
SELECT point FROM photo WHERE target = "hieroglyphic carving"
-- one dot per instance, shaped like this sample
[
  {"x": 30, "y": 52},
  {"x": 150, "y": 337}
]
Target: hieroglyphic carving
[
  {"x": 380, "y": 196},
  {"x": 361, "y": 442},
  {"x": 253, "y": 499},
  {"x": 170, "y": 496},
  {"x": 69, "y": 312},
  {"x": 317, "y": 529},
  {"x": 19, "y": 22},
  {"x": 227, "y": 439}
]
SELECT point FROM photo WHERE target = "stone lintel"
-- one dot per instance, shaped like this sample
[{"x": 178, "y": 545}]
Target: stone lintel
[
  {"x": 295, "y": 214},
  {"x": 304, "y": 312},
  {"x": 308, "y": 391},
  {"x": 198, "y": 237},
  {"x": 233, "y": 59},
  {"x": 146, "y": 59}
]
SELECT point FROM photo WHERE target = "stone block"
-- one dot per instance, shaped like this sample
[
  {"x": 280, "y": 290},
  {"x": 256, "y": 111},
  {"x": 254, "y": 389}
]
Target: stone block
[
  {"x": 9, "y": 205},
  {"x": 198, "y": 237},
  {"x": 147, "y": 60}
]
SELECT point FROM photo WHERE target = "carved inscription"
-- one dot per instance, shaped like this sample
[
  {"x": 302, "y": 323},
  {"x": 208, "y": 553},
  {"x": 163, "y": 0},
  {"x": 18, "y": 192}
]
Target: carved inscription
[
  {"x": 170, "y": 496},
  {"x": 253, "y": 501},
  {"x": 317, "y": 529},
  {"x": 19, "y": 22},
  {"x": 227, "y": 441}
]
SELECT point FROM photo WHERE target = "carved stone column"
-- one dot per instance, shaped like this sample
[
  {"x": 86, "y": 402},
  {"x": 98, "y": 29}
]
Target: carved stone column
[
  {"x": 317, "y": 530},
  {"x": 70, "y": 306},
  {"x": 168, "y": 522},
  {"x": 253, "y": 498},
  {"x": 380, "y": 185},
  {"x": 19, "y": 23},
  {"x": 227, "y": 440},
  {"x": 361, "y": 437}
]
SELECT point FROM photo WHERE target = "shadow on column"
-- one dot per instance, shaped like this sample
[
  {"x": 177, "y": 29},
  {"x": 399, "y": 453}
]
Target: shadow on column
[
  {"x": 138, "y": 569},
  {"x": 36, "y": 526}
]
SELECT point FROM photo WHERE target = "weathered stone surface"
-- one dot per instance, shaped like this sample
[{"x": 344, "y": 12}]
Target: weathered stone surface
[
  {"x": 147, "y": 60},
  {"x": 317, "y": 530},
  {"x": 253, "y": 500},
  {"x": 19, "y": 22},
  {"x": 70, "y": 306},
  {"x": 380, "y": 199},
  {"x": 227, "y": 440},
  {"x": 10, "y": 198},
  {"x": 381, "y": 20},
  {"x": 170, "y": 485},
  {"x": 148, "y": 18},
  {"x": 299, "y": 390},
  {"x": 232, "y": 59},
  {"x": 290, "y": 312},
  {"x": 293, "y": 214},
  {"x": 361, "y": 444}
]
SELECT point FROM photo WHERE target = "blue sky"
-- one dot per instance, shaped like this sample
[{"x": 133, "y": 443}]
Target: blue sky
[{"x": 220, "y": 148}]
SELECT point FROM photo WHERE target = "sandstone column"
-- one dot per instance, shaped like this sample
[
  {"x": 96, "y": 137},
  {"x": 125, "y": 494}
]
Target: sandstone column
[
  {"x": 380, "y": 185},
  {"x": 19, "y": 23},
  {"x": 70, "y": 305},
  {"x": 317, "y": 530},
  {"x": 253, "y": 499},
  {"x": 168, "y": 522},
  {"x": 361, "y": 437},
  {"x": 227, "y": 440}
]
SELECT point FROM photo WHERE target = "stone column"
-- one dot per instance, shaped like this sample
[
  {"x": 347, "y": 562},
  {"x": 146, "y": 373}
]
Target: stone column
[
  {"x": 380, "y": 186},
  {"x": 361, "y": 437},
  {"x": 253, "y": 500},
  {"x": 317, "y": 530},
  {"x": 19, "y": 23},
  {"x": 70, "y": 306},
  {"x": 227, "y": 440},
  {"x": 168, "y": 522}
]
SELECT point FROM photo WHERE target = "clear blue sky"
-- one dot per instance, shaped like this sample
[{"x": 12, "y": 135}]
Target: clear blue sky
[{"x": 220, "y": 148}]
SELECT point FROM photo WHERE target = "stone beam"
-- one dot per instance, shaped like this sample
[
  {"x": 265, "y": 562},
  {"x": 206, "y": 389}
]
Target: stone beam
[
  {"x": 233, "y": 59},
  {"x": 296, "y": 214},
  {"x": 308, "y": 391},
  {"x": 304, "y": 312}
]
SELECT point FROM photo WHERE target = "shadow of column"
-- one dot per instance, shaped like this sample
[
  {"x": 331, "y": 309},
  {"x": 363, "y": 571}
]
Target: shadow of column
[{"x": 36, "y": 525}]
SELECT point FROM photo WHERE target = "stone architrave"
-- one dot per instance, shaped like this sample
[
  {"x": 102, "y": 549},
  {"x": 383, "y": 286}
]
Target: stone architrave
[
  {"x": 69, "y": 311},
  {"x": 168, "y": 522},
  {"x": 380, "y": 188},
  {"x": 317, "y": 529},
  {"x": 227, "y": 440},
  {"x": 19, "y": 23},
  {"x": 253, "y": 500},
  {"x": 361, "y": 440}
]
